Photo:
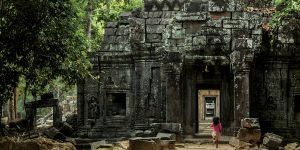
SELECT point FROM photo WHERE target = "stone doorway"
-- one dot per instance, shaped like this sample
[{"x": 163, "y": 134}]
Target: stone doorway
[{"x": 208, "y": 107}]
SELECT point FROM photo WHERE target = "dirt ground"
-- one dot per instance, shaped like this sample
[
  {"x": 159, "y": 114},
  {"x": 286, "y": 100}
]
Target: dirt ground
[{"x": 189, "y": 146}]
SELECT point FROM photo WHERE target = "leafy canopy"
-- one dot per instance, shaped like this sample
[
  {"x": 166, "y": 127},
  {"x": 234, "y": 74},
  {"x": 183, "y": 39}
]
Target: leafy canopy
[{"x": 40, "y": 41}]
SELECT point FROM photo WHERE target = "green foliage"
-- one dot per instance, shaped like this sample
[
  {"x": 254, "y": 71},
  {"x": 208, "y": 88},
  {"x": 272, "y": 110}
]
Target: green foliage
[
  {"x": 289, "y": 15},
  {"x": 40, "y": 41},
  {"x": 109, "y": 10}
]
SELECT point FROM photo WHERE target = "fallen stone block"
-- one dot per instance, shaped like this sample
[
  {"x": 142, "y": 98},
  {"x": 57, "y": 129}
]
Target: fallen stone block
[
  {"x": 166, "y": 136},
  {"x": 180, "y": 145},
  {"x": 54, "y": 134},
  {"x": 167, "y": 144},
  {"x": 238, "y": 144},
  {"x": 292, "y": 146},
  {"x": 66, "y": 129},
  {"x": 251, "y": 123},
  {"x": 249, "y": 135},
  {"x": 144, "y": 144},
  {"x": 90, "y": 146},
  {"x": 272, "y": 140}
]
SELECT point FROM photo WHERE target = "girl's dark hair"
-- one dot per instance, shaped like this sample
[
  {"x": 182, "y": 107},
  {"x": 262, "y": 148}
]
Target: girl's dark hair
[{"x": 216, "y": 120}]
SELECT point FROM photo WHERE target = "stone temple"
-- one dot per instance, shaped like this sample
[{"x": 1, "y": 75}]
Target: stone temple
[{"x": 185, "y": 61}]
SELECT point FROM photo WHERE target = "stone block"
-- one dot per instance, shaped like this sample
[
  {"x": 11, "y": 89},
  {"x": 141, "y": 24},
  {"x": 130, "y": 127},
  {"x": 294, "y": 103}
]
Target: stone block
[
  {"x": 251, "y": 123},
  {"x": 214, "y": 40},
  {"x": 241, "y": 24},
  {"x": 153, "y": 37},
  {"x": 165, "y": 21},
  {"x": 257, "y": 31},
  {"x": 167, "y": 144},
  {"x": 286, "y": 38},
  {"x": 216, "y": 7},
  {"x": 123, "y": 30},
  {"x": 188, "y": 41},
  {"x": 153, "y": 21},
  {"x": 272, "y": 140},
  {"x": 292, "y": 146},
  {"x": 249, "y": 135},
  {"x": 144, "y": 144},
  {"x": 238, "y": 144},
  {"x": 122, "y": 39},
  {"x": 157, "y": 14},
  {"x": 241, "y": 15},
  {"x": 214, "y": 31},
  {"x": 214, "y": 23},
  {"x": 166, "y": 136},
  {"x": 178, "y": 33},
  {"x": 169, "y": 127},
  {"x": 199, "y": 40},
  {"x": 155, "y": 28},
  {"x": 109, "y": 39},
  {"x": 242, "y": 43},
  {"x": 191, "y": 16},
  {"x": 111, "y": 24},
  {"x": 219, "y": 15},
  {"x": 110, "y": 31}
]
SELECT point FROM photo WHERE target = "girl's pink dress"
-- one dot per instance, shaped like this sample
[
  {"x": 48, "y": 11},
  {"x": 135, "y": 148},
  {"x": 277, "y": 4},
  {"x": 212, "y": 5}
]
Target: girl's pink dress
[{"x": 216, "y": 131}]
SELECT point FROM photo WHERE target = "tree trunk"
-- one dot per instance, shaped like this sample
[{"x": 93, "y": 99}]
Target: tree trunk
[
  {"x": 12, "y": 105},
  {"x": 1, "y": 127},
  {"x": 89, "y": 15},
  {"x": 25, "y": 94},
  {"x": 16, "y": 97}
]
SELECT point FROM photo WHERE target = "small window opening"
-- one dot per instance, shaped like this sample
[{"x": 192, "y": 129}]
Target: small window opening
[
  {"x": 44, "y": 117},
  {"x": 116, "y": 105},
  {"x": 297, "y": 107},
  {"x": 210, "y": 107}
]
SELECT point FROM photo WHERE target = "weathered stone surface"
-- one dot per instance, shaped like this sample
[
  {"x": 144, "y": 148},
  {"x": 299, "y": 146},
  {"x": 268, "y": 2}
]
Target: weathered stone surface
[
  {"x": 238, "y": 144},
  {"x": 110, "y": 31},
  {"x": 241, "y": 24},
  {"x": 166, "y": 136},
  {"x": 155, "y": 28},
  {"x": 272, "y": 140},
  {"x": 251, "y": 123},
  {"x": 199, "y": 32},
  {"x": 199, "y": 40},
  {"x": 191, "y": 16},
  {"x": 292, "y": 146},
  {"x": 144, "y": 144},
  {"x": 249, "y": 135},
  {"x": 170, "y": 127},
  {"x": 111, "y": 24},
  {"x": 167, "y": 144},
  {"x": 242, "y": 43}
]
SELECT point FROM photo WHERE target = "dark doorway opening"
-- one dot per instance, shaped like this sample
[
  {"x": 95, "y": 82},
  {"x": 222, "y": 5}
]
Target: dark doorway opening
[
  {"x": 116, "y": 105},
  {"x": 297, "y": 107}
]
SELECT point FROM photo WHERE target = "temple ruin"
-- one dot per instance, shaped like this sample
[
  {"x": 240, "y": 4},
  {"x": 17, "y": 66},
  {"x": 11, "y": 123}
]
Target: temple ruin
[{"x": 183, "y": 62}]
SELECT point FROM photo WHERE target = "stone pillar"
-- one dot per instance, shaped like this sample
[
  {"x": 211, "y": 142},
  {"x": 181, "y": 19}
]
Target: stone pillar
[
  {"x": 241, "y": 96},
  {"x": 241, "y": 59},
  {"x": 173, "y": 104}
]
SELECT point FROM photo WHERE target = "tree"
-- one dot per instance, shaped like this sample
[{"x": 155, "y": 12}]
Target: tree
[
  {"x": 40, "y": 41},
  {"x": 289, "y": 14}
]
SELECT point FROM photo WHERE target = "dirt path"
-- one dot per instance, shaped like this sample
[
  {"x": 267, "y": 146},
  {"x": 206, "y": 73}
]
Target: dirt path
[{"x": 189, "y": 146}]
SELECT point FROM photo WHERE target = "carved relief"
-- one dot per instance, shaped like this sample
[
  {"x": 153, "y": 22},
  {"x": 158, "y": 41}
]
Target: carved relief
[{"x": 93, "y": 108}]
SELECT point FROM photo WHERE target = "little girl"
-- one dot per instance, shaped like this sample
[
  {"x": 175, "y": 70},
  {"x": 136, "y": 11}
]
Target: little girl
[{"x": 216, "y": 130}]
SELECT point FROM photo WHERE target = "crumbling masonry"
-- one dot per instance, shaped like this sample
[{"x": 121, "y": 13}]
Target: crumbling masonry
[{"x": 154, "y": 62}]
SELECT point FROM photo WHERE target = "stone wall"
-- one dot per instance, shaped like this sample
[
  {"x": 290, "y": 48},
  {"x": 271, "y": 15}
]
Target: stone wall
[{"x": 161, "y": 55}]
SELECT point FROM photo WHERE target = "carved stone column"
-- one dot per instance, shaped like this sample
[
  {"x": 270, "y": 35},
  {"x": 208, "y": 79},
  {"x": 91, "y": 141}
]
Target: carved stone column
[
  {"x": 241, "y": 60},
  {"x": 172, "y": 70},
  {"x": 173, "y": 103}
]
